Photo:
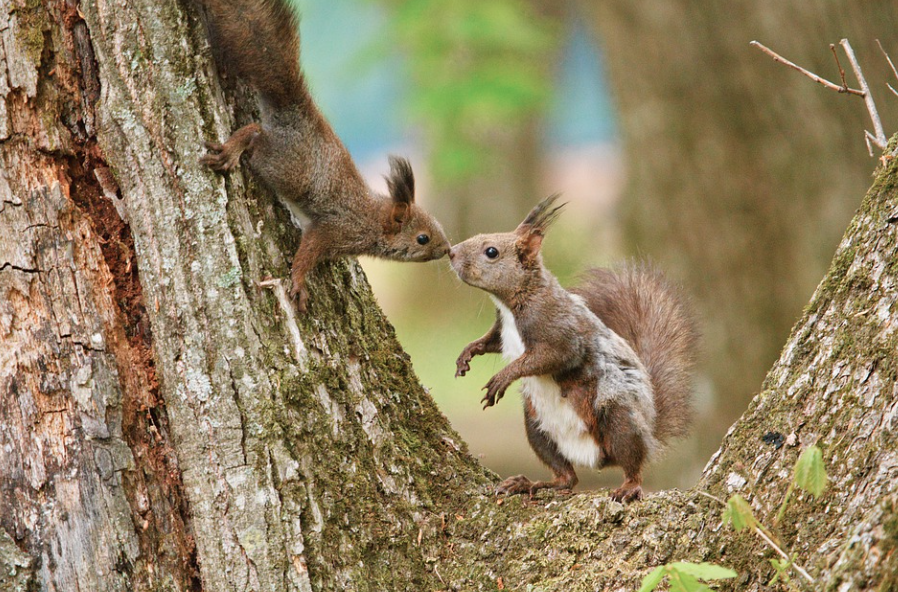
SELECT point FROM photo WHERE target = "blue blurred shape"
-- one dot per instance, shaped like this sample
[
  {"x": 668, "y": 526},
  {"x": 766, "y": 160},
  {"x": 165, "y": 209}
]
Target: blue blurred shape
[
  {"x": 357, "y": 79},
  {"x": 581, "y": 111},
  {"x": 353, "y": 76}
]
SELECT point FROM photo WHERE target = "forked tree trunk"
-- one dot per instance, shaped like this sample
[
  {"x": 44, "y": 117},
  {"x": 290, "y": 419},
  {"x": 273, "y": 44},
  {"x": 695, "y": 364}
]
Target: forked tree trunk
[{"x": 166, "y": 424}]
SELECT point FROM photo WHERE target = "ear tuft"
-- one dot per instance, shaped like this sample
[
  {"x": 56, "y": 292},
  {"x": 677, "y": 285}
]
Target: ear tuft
[
  {"x": 401, "y": 181},
  {"x": 541, "y": 217},
  {"x": 532, "y": 230}
]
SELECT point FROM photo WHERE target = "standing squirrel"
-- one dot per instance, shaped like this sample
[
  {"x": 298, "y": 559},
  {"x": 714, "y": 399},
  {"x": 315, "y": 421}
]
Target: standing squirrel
[
  {"x": 297, "y": 155},
  {"x": 605, "y": 367}
]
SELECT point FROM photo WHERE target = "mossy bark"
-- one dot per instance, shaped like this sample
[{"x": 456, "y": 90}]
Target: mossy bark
[{"x": 168, "y": 424}]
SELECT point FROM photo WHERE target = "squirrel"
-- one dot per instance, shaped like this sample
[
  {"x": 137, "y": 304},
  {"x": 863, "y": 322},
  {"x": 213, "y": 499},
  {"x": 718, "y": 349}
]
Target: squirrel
[
  {"x": 295, "y": 152},
  {"x": 605, "y": 367}
]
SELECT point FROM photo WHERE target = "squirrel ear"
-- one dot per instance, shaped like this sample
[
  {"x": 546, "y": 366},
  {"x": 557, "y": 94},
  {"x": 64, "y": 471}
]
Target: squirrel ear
[
  {"x": 532, "y": 230},
  {"x": 528, "y": 246},
  {"x": 398, "y": 215},
  {"x": 401, "y": 181}
]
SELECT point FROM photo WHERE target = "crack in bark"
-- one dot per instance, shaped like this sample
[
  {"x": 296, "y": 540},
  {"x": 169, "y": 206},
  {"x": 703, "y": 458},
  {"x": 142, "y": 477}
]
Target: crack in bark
[{"x": 9, "y": 265}]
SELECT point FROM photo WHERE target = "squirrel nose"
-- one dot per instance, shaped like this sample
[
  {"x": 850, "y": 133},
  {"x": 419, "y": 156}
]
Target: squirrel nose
[{"x": 451, "y": 253}]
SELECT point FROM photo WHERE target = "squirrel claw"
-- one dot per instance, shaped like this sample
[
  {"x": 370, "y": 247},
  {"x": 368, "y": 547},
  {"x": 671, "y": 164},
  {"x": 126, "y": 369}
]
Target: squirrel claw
[
  {"x": 463, "y": 363},
  {"x": 303, "y": 300},
  {"x": 627, "y": 494},
  {"x": 495, "y": 390},
  {"x": 515, "y": 485},
  {"x": 219, "y": 157}
]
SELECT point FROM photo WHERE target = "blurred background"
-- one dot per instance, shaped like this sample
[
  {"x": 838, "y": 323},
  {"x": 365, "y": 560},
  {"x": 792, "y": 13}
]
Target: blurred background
[{"x": 669, "y": 136}]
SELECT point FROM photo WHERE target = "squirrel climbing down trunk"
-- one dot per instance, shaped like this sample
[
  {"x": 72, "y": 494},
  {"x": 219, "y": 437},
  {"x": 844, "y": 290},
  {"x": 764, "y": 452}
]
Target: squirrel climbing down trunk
[
  {"x": 605, "y": 368},
  {"x": 297, "y": 155}
]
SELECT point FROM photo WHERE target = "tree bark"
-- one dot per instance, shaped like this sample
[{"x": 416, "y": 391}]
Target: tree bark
[
  {"x": 250, "y": 450},
  {"x": 168, "y": 424}
]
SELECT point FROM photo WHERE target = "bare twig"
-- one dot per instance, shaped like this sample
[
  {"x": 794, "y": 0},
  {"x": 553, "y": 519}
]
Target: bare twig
[
  {"x": 879, "y": 139},
  {"x": 891, "y": 65},
  {"x": 712, "y": 497},
  {"x": 832, "y": 47},
  {"x": 888, "y": 59},
  {"x": 764, "y": 535},
  {"x": 830, "y": 85}
]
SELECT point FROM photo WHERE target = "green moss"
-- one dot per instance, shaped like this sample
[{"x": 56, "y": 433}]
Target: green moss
[{"x": 32, "y": 20}]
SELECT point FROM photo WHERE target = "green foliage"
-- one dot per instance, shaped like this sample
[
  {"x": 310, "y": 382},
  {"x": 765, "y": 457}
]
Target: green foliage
[
  {"x": 810, "y": 473},
  {"x": 683, "y": 576},
  {"x": 739, "y": 514},
  {"x": 782, "y": 567},
  {"x": 478, "y": 69}
]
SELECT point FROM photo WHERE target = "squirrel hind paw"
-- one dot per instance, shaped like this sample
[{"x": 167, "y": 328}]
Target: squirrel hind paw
[
  {"x": 514, "y": 486},
  {"x": 219, "y": 158},
  {"x": 626, "y": 495}
]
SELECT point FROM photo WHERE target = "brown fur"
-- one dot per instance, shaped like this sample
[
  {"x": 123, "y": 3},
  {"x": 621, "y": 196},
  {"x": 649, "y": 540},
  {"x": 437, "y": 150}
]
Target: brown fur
[
  {"x": 258, "y": 41},
  {"x": 296, "y": 153},
  {"x": 638, "y": 303},
  {"x": 561, "y": 339}
]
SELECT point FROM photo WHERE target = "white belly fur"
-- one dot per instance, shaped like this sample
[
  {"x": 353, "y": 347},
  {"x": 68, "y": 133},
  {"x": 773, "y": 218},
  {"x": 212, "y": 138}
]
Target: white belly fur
[
  {"x": 297, "y": 216},
  {"x": 555, "y": 415}
]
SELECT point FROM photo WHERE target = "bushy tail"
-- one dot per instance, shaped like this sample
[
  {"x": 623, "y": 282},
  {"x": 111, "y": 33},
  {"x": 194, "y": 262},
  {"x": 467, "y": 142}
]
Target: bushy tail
[
  {"x": 638, "y": 303},
  {"x": 258, "y": 40}
]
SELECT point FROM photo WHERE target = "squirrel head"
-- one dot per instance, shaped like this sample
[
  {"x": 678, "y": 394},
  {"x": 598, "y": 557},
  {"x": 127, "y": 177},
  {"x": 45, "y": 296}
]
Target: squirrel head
[
  {"x": 410, "y": 233},
  {"x": 505, "y": 263}
]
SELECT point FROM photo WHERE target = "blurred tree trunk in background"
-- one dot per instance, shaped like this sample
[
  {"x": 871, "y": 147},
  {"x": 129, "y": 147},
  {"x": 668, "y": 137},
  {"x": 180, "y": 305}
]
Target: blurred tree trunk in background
[
  {"x": 500, "y": 199},
  {"x": 742, "y": 173}
]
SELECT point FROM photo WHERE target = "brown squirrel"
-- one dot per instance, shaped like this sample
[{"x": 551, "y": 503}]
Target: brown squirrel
[
  {"x": 605, "y": 367},
  {"x": 297, "y": 155}
]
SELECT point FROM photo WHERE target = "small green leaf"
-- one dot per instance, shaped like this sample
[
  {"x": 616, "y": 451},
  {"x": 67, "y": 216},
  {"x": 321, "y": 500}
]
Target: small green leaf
[
  {"x": 681, "y": 581},
  {"x": 704, "y": 571},
  {"x": 782, "y": 571},
  {"x": 810, "y": 472},
  {"x": 739, "y": 513},
  {"x": 651, "y": 581}
]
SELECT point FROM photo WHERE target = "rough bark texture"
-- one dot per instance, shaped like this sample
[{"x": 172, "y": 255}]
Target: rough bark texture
[
  {"x": 252, "y": 452},
  {"x": 299, "y": 450}
]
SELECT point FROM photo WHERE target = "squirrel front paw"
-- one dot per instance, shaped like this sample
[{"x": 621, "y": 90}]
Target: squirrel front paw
[
  {"x": 463, "y": 363},
  {"x": 495, "y": 390}
]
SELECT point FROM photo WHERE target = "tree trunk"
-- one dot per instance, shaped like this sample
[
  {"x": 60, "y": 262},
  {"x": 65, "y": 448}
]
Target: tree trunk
[
  {"x": 168, "y": 424},
  {"x": 177, "y": 427}
]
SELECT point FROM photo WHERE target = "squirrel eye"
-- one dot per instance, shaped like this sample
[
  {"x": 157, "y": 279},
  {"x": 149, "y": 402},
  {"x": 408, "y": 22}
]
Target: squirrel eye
[
  {"x": 491, "y": 252},
  {"x": 423, "y": 239}
]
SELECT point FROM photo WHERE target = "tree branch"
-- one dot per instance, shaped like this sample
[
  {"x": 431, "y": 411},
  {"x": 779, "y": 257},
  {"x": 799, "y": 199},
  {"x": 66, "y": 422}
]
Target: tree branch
[
  {"x": 879, "y": 140},
  {"x": 830, "y": 85},
  {"x": 891, "y": 65}
]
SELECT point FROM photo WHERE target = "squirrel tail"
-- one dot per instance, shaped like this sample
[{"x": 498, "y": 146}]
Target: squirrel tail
[
  {"x": 638, "y": 303},
  {"x": 258, "y": 40}
]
